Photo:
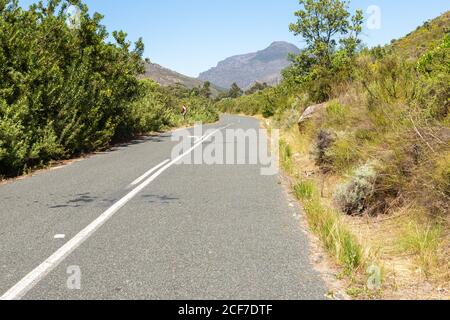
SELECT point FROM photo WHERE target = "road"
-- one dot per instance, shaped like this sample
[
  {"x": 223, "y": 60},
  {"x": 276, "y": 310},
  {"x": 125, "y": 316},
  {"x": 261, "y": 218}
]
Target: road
[{"x": 82, "y": 231}]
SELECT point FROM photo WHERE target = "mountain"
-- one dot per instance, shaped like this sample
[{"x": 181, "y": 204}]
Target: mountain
[
  {"x": 262, "y": 66},
  {"x": 167, "y": 77}
]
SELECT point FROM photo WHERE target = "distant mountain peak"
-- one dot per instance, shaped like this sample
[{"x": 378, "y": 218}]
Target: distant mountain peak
[
  {"x": 281, "y": 44},
  {"x": 246, "y": 69}
]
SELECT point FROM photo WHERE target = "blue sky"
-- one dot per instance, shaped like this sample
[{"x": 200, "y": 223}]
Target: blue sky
[{"x": 191, "y": 36}]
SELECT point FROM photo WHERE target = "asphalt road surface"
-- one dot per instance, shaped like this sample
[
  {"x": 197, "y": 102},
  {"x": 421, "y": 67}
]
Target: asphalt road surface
[{"x": 86, "y": 231}]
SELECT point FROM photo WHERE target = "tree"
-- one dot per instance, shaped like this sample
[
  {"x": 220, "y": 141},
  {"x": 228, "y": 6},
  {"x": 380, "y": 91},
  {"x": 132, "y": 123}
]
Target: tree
[
  {"x": 257, "y": 87},
  {"x": 235, "y": 91},
  {"x": 324, "y": 23},
  {"x": 331, "y": 34},
  {"x": 206, "y": 90}
]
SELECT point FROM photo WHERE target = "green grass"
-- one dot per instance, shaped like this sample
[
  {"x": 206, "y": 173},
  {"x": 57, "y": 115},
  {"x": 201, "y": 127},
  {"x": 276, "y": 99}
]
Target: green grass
[
  {"x": 366, "y": 135},
  {"x": 343, "y": 154},
  {"x": 326, "y": 223},
  {"x": 337, "y": 115},
  {"x": 423, "y": 241},
  {"x": 304, "y": 190},
  {"x": 286, "y": 154},
  {"x": 441, "y": 174},
  {"x": 336, "y": 238}
]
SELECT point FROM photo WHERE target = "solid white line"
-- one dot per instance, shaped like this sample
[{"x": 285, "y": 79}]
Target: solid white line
[
  {"x": 35, "y": 276},
  {"x": 149, "y": 172}
]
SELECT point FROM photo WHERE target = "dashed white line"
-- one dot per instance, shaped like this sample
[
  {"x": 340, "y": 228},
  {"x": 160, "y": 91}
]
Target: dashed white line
[
  {"x": 35, "y": 276},
  {"x": 59, "y": 236}
]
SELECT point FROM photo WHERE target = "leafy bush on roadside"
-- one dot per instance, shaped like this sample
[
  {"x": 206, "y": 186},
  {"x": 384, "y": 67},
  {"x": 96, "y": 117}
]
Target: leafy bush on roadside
[
  {"x": 63, "y": 90},
  {"x": 66, "y": 91},
  {"x": 153, "y": 111}
]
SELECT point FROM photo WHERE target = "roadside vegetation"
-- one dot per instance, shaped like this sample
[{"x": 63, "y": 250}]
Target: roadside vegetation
[
  {"x": 66, "y": 89},
  {"x": 370, "y": 157}
]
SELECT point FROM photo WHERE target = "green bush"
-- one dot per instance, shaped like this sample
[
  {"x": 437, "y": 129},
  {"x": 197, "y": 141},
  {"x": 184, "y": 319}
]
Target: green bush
[
  {"x": 66, "y": 91},
  {"x": 63, "y": 91},
  {"x": 201, "y": 109},
  {"x": 268, "y": 110},
  {"x": 343, "y": 154},
  {"x": 154, "y": 111},
  {"x": 434, "y": 68},
  {"x": 423, "y": 241}
]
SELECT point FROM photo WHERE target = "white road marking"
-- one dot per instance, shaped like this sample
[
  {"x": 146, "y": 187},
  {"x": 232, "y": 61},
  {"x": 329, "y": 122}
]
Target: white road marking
[
  {"x": 35, "y": 276},
  {"x": 149, "y": 172},
  {"x": 59, "y": 236}
]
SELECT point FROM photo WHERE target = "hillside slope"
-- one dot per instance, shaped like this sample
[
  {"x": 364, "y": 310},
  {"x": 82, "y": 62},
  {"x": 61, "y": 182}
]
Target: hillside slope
[
  {"x": 262, "y": 66},
  {"x": 167, "y": 78},
  {"x": 423, "y": 38}
]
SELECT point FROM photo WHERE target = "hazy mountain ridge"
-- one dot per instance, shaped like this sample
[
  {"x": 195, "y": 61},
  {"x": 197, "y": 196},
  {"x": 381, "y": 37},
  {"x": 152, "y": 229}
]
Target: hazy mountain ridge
[
  {"x": 246, "y": 69},
  {"x": 167, "y": 77}
]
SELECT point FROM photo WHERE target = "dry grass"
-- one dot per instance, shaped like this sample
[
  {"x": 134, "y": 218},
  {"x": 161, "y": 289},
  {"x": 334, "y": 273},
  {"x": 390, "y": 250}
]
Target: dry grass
[{"x": 412, "y": 253}]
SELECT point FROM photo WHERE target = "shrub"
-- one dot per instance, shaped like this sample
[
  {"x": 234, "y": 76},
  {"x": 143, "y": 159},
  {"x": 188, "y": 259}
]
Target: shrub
[
  {"x": 325, "y": 140},
  {"x": 353, "y": 197},
  {"x": 268, "y": 110},
  {"x": 153, "y": 111},
  {"x": 326, "y": 223},
  {"x": 342, "y": 154},
  {"x": 63, "y": 91},
  {"x": 434, "y": 68},
  {"x": 441, "y": 174},
  {"x": 201, "y": 109}
]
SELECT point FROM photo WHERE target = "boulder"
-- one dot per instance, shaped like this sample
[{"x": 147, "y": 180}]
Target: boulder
[{"x": 310, "y": 113}]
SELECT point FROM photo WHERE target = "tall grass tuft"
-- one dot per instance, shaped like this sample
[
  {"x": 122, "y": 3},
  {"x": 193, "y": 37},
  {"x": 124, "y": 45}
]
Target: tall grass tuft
[
  {"x": 337, "y": 239},
  {"x": 422, "y": 241},
  {"x": 304, "y": 190},
  {"x": 327, "y": 224}
]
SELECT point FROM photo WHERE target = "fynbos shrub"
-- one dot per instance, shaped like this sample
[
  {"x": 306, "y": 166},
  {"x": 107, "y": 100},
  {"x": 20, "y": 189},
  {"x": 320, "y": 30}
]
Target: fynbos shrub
[
  {"x": 353, "y": 196},
  {"x": 325, "y": 141}
]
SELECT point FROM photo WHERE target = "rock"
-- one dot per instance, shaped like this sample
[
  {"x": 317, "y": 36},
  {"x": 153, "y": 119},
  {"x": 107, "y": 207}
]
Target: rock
[{"x": 309, "y": 113}]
